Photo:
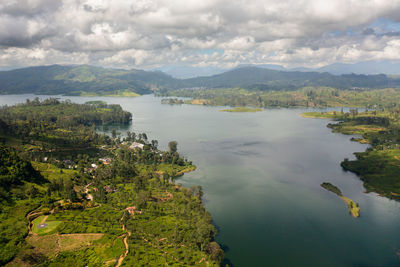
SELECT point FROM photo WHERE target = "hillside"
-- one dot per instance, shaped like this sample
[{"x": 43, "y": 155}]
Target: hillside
[
  {"x": 267, "y": 79},
  {"x": 89, "y": 80},
  {"x": 74, "y": 80},
  {"x": 72, "y": 196}
]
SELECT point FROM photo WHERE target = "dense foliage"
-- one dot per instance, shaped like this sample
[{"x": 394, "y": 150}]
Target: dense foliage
[
  {"x": 64, "y": 114},
  {"x": 15, "y": 171},
  {"x": 47, "y": 125},
  {"x": 332, "y": 188},
  {"x": 95, "y": 203},
  {"x": 304, "y": 97},
  {"x": 17, "y": 188},
  {"x": 378, "y": 166}
]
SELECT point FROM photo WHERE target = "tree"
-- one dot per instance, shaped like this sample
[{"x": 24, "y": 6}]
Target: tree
[
  {"x": 114, "y": 133},
  {"x": 154, "y": 144},
  {"x": 173, "y": 146},
  {"x": 199, "y": 192},
  {"x": 215, "y": 251}
]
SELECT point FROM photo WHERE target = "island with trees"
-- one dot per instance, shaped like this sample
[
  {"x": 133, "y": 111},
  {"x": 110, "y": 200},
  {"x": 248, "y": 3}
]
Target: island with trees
[
  {"x": 354, "y": 209},
  {"x": 72, "y": 196}
]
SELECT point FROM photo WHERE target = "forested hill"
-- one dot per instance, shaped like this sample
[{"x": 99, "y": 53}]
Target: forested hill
[
  {"x": 266, "y": 79},
  {"x": 77, "y": 80},
  {"x": 89, "y": 80}
]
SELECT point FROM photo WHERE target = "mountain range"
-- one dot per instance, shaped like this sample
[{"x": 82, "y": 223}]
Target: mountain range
[
  {"x": 366, "y": 67},
  {"x": 85, "y": 79}
]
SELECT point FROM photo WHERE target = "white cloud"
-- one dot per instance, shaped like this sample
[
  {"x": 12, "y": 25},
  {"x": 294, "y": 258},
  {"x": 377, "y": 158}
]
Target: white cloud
[{"x": 147, "y": 33}]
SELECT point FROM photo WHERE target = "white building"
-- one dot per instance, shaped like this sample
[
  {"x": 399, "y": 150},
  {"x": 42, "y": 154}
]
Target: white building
[{"x": 136, "y": 145}]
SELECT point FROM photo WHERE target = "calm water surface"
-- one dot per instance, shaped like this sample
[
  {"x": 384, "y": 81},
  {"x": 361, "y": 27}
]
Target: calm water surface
[{"x": 261, "y": 175}]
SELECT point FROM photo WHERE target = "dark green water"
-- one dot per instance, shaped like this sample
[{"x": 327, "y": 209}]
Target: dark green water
[{"x": 261, "y": 174}]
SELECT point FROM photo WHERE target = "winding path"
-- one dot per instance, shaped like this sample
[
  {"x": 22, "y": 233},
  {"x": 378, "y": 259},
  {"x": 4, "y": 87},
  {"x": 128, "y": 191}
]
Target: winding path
[
  {"x": 123, "y": 256},
  {"x": 28, "y": 217}
]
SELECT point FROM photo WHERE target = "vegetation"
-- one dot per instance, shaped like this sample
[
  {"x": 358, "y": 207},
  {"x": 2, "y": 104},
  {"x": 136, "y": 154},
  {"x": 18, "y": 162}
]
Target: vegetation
[
  {"x": 242, "y": 109},
  {"x": 117, "y": 93},
  {"x": 95, "y": 81},
  {"x": 69, "y": 195},
  {"x": 354, "y": 209},
  {"x": 379, "y": 165},
  {"x": 20, "y": 188},
  {"x": 332, "y": 188},
  {"x": 78, "y": 80},
  {"x": 260, "y": 79},
  {"x": 172, "y": 101},
  {"x": 304, "y": 97}
]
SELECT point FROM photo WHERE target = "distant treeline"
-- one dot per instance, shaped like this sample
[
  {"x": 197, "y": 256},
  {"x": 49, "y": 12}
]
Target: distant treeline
[
  {"x": 60, "y": 123},
  {"x": 77, "y": 80},
  {"x": 304, "y": 97}
]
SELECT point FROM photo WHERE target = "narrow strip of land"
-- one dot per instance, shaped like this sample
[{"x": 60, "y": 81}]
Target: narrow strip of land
[{"x": 354, "y": 209}]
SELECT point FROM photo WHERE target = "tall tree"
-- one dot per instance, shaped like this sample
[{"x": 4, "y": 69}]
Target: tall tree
[{"x": 173, "y": 146}]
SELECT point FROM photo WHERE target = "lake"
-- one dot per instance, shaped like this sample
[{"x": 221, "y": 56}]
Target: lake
[{"x": 261, "y": 175}]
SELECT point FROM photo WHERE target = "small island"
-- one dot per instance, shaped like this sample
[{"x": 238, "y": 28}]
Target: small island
[
  {"x": 242, "y": 109},
  {"x": 353, "y": 206},
  {"x": 320, "y": 115},
  {"x": 172, "y": 101}
]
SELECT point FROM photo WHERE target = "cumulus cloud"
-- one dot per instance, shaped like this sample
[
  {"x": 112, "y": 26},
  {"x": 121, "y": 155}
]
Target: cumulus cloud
[{"x": 149, "y": 33}]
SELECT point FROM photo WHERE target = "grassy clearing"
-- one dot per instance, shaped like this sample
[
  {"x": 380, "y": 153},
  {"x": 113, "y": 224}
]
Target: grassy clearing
[
  {"x": 353, "y": 206},
  {"x": 199, "y": 102},
  {"x": 103, "y": 219},
  {"x": 170, "y": 169},
  {"x": 51, "y": 227},
  {"x": 91, "y": 249},
  {"x": 319, "y": 115},
  {"x": 51, "y": 245},
  {"x": 360, "y": 129},
  {"x": 242, "y": 109},
  {"x": 51, "y": 172}
]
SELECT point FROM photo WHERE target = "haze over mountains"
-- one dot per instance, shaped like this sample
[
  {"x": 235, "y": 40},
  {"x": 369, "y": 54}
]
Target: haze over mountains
[
  {"x": 76, "y": 80},
  {"x": 366, "y": 67}
]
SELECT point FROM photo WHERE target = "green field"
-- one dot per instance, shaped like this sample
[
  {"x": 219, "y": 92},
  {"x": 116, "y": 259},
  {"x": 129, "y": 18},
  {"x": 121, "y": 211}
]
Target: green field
[{"x": 51, "y": 227}]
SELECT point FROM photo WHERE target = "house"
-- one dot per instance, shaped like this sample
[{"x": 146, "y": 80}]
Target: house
[
  {"x": 109, "y": 189},
  {"x": 136, "y": 145},
  {"x": 105, "y": 161},
  {"x": 94, "y": 166},
  {"x": 132, "y": 210}
]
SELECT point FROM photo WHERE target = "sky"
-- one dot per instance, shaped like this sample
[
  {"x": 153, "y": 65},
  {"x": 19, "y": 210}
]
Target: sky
[{"x": 146, "y": 34}]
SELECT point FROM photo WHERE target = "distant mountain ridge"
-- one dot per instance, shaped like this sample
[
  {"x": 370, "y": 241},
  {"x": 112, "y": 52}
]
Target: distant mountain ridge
[
  {"x": 366, "y": 67},
  {"x": 76, "y": 80},
  {"x": 267, "y": 79},
  {"x": 186, "y": 72}
]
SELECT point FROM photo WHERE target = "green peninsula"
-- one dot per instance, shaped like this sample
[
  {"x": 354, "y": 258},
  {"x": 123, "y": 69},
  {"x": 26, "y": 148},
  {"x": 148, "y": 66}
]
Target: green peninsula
[
  {"x": 354, "y": 209},
  {"x": 379, "y": 166}
]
